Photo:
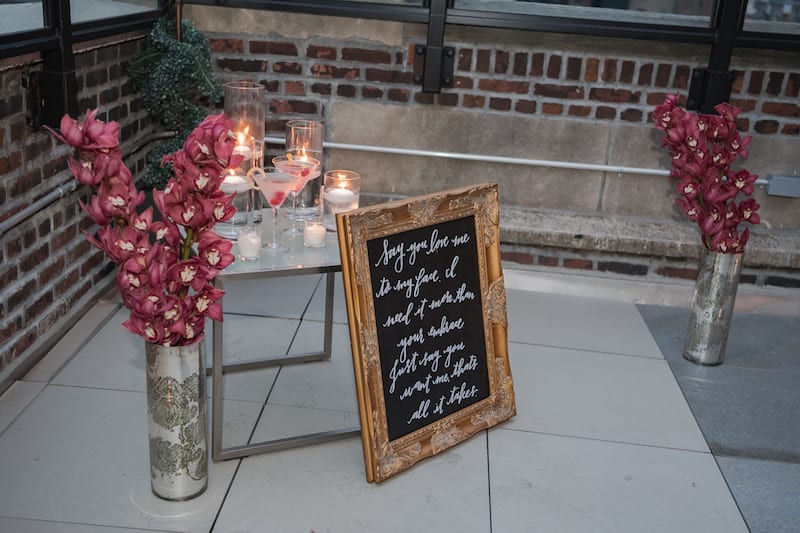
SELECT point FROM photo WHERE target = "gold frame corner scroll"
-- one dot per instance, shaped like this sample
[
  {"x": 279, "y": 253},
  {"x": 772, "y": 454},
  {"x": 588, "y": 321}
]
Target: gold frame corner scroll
[{"x": 426, "y": 308}]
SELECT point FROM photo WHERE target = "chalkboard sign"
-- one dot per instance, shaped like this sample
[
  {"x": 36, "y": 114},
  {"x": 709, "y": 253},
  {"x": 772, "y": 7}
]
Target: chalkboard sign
[{"x": 426, "y": 308}]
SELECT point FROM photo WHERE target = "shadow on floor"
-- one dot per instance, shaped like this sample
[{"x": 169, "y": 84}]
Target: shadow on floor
[{"x": 748, "y": 408}]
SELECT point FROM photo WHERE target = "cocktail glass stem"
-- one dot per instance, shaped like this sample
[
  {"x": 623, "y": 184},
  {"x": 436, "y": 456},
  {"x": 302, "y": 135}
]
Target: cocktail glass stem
[
  {"x": 294, "y": 229},
  {"x": 274, "y": 244}
]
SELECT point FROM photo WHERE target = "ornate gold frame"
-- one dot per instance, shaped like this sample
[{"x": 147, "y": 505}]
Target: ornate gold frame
[{"x": 384, "y": 458}]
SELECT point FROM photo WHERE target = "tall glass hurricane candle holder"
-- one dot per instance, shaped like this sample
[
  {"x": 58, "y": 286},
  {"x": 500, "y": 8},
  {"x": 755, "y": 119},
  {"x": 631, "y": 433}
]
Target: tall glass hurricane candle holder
[
  {"x": 340, "y": 192},
  {"x": 245, "y": 105},
  {"x": 304, "y": 138}
]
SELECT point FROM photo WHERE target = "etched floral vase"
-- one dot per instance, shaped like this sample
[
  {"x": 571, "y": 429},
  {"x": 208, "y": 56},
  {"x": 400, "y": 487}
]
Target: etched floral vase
[
  {"x": 176, "y": 416},
  {"x": 712, "y": 307}
]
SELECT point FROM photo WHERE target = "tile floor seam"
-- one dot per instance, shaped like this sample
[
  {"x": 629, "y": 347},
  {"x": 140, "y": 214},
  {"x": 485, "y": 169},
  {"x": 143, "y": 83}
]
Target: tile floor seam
[
  {"x": 264, "y": 404},
  {"x": 257, "y": 315},
  {"x": 21, "y": 411},
  {"x": 224, "y": 498},
  {"x": 578, "y": 349},
  {"x": 107, "y": 389},
  {"x": 488, "y": 476},
  {"x": 303, "y": 406},
  {"x": 611, "y": 441},
  {"x": 86, "y": 340},
  {"x": 730, "y": 490}
]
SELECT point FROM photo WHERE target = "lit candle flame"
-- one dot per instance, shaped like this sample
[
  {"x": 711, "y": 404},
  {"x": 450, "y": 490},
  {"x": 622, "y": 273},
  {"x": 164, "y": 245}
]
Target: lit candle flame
[{"x": 242, "y": 135}]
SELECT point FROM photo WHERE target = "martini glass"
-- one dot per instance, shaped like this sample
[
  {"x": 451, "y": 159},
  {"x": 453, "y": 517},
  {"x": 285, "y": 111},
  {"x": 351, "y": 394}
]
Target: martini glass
[
  {"x": 304, "y": 169},
  {"x": 274, "y": 186}
]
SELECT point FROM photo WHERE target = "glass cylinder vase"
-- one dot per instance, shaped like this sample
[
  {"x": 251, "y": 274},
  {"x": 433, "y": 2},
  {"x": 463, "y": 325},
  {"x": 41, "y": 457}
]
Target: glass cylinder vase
[
  {"x": 712, "y": 307},
  {"x": 245, "y": 105},
  {"x": 176, "y": 420},
  {"x": 305, "y": 138}
]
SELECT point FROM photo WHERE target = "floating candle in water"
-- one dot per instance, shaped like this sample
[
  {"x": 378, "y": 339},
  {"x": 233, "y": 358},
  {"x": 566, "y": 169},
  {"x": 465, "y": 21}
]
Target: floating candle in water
[
  {"x": 339, "y": 196},
  {"x": 234, "y": 183},
  {"x": 242, "y": 147},
  {"x": 243, "y": 151},
  {"x": 341, "y": 190}
]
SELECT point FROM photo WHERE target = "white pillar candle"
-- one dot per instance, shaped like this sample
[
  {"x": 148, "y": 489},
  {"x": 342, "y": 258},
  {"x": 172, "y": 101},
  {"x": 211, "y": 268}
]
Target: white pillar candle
[
  {"x": 249, "y": 242},
  {"x": 314, "y": 234}
]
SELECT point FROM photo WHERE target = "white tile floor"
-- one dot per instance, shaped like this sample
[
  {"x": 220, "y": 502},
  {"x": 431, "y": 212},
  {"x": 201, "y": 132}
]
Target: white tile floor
[{"x": 603, "y": 440}]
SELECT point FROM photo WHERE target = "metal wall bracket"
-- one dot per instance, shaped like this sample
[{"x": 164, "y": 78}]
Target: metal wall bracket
[
  {"x": 709, "y": 88},
  {"x": 788, "y": 186},
  {"x": 50, "y": 96},
  {"x": 53, "y": 92},
  {"x": 434, "y": 62}
]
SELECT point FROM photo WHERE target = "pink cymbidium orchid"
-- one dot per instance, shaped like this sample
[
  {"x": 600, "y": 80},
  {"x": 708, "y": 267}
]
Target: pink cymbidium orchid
[
  {"x": 703, "y": 149},
  {"x": 166, "y": 267}
]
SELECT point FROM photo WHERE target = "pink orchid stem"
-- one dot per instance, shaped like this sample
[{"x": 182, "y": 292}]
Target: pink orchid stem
[{"x": 187, "y": 245}]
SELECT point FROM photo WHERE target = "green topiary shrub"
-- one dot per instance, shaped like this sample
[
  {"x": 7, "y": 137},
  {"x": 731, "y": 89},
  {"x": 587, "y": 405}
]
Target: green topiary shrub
[{"x": 177, "y": 86}]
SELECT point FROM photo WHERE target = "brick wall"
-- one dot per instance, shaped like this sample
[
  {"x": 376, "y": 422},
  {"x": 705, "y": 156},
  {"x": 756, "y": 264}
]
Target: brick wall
[
  {"x": 48, "y": 271},
  {"x": 542, "y": 96},
  {"x": 307, "y": 75},
  {"x": 519, "y": 94},
  {"x": 645, "y": 268},
  {"x": 303, "y": 75}
]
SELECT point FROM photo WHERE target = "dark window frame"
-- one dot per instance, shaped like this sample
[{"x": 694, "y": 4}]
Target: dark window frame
[
  {"x": 553, "y": 24},
  {"x": 52, "y": 35},
  {"x": 49, "y": 37},
  {"x": 725, "y": 33}
]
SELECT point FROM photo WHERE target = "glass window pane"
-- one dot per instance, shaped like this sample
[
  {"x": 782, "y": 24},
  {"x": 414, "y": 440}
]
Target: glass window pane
[
  {"x": 83, "y": 10},
  {"x": 20, "y": 15},
  {"x": 773, "y": 16},
  {"x": 696, "y": 13}
]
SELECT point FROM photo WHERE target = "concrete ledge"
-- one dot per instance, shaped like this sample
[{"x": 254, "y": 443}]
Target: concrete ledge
[
  {"x": 637, "y": 236},
  {"x": 569, "y": 230}
]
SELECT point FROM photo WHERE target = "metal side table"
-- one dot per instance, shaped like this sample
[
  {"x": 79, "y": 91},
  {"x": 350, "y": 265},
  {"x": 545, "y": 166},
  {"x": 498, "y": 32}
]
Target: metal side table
[{"x": 301, "y": 261}]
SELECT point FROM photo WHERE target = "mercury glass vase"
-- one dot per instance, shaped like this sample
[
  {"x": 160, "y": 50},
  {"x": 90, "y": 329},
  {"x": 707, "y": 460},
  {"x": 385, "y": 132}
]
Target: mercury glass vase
[
  {"x": 712, "y": 307},
  {"x": 176, "y": 416}
]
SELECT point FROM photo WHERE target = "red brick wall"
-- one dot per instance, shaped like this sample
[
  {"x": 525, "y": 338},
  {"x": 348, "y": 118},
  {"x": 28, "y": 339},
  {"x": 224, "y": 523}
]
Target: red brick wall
[
  {"x": 47, "y": 268},
  {"x": 303, "y": 75},
  {"x": 647, "y": 268}
]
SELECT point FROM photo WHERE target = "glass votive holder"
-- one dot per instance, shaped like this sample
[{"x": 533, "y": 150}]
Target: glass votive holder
[
  {"x": 340, "y": 192},
  {"x": 314, "y": 233},
  {"x": 236, "y": 184},
  {"x": 249, "y": 243}
]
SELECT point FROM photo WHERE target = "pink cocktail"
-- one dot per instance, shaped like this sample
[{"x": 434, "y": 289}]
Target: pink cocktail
[
  {"x": 274, "y": 186},
  {"x": 304, "y": 169}
]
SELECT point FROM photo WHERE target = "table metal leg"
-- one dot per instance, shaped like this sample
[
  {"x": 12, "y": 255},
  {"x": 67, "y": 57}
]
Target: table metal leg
[{"x": 218, "y": 453}]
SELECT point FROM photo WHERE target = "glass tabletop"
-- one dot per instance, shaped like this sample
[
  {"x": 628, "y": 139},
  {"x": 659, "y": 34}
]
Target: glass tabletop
[{"x": 298, "y": 259}]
